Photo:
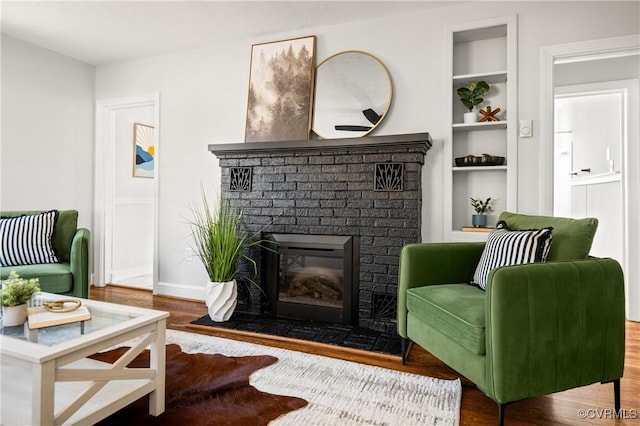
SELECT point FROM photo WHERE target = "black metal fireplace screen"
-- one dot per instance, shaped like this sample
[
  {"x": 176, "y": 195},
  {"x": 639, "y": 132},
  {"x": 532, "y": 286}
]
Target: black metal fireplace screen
[{"x": 312, "y": 276}]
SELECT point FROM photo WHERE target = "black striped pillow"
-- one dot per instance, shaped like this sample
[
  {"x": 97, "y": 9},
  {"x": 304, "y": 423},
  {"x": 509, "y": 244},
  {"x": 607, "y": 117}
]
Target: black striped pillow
[
  {"x": 505, "y": 247},
  {"x": 26, "y": 240}
]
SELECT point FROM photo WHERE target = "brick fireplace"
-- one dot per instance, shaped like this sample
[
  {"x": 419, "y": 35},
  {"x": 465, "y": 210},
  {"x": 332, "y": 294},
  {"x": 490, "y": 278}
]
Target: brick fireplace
[{"x": 368, "y": 188}]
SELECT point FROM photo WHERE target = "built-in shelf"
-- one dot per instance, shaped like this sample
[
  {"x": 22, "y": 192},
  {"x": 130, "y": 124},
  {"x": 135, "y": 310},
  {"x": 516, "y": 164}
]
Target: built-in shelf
[
  {"x": 490, "y": 77},
  {"x": 481, "y": 50},
  {"x": 478, "y": 168},
  {"x": 477, "y": 34},
  {"x": 476, "y": 229},
  {"x": 485, "y": 125}
]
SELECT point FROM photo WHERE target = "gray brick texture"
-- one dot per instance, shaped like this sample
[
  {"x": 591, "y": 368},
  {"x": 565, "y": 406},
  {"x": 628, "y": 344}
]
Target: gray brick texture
[{"x": 333, "y": 194}]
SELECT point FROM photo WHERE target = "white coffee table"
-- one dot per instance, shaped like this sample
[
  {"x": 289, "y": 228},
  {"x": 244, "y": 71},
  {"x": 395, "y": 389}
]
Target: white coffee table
[{"x": 51, "y": 382}]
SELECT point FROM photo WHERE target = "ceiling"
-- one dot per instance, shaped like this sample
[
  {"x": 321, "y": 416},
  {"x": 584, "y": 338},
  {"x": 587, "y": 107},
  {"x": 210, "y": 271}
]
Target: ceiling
[{"x": 103, "y": 32}]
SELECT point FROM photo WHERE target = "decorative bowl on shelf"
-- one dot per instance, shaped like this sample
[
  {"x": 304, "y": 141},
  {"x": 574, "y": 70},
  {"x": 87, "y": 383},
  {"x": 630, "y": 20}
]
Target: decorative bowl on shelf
[{"x": 484, "y": 160}]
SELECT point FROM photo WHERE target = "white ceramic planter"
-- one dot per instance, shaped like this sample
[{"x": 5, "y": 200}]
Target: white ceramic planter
[
  {"x": 470, "y": 117},
  {"x": 221, "y": 299},
  {"x": 14, "y": 315}
]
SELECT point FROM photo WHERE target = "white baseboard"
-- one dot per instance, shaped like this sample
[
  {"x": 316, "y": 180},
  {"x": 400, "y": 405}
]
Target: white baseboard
[
  {"x": 180, "y": 290},
  {"x": 134, "y": 271}
]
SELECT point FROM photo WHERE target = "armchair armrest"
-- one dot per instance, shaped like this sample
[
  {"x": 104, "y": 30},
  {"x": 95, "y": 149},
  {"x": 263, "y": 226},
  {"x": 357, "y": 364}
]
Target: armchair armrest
[
  {"x": 553, "y": 326},
  {"x": 434, "y": 263},
  {"x": 79, "y": 262}
]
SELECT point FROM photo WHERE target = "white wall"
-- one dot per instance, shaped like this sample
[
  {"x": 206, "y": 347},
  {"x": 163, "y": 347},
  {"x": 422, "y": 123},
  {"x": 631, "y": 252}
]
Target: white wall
[
  {"x": 47, "y": 131},
  {"x": 594, "y": 71},
  {"x": 133, "y": 201},
  {"x": 204, "y": 97},
  {"x": 595, "y": 122}
]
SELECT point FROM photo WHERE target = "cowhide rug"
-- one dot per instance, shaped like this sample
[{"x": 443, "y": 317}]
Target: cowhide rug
[{"x": 205, "y": 389}]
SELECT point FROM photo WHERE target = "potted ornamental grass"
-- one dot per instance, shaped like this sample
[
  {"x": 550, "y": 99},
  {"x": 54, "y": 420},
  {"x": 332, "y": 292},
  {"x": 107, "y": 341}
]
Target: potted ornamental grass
[
  {"x": 219, "y": 244},
  {"x": 479, "y": 220},
  {"x": 14, "y": 295}
]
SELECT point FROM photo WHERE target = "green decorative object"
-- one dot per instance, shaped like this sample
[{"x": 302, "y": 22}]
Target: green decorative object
[
  {"x": 219, "y": 240},
  {"x": 479, "y": 220},
  {"x": 471, "y": 95},
  {"x": 14, "y": 295},
  {"x": 481, "y": 207},
  {"x": 17, "y": 291},
  {"x": 220, "y": 243}
]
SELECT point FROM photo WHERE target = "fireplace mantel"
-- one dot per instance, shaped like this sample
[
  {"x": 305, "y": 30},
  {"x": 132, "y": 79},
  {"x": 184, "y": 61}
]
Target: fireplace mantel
[{"x": 344, "y": 144}]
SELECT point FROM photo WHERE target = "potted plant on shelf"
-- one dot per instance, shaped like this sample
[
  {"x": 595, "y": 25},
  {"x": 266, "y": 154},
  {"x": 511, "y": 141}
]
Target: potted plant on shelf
[
  {"x": 470, "y": 96},
  {"x": 219, "y": 244},
  {"x": 479, "y": 220},
  {"x": 14, "y": 295}
]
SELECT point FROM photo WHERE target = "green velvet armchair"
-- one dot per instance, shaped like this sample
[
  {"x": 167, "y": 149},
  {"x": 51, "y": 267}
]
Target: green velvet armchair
[
  {"x": 71, "y": 245},
  {"x": 538, "y": 328}
]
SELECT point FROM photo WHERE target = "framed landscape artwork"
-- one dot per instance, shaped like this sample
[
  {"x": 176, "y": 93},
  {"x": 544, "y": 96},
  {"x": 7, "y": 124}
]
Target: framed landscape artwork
[
  {"x": 144, "y": 141},
  {"x": 280, "y": 101}
]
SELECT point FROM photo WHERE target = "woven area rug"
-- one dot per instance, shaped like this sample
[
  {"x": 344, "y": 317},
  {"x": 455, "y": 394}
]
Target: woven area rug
[{"x": 339, "y": 392}]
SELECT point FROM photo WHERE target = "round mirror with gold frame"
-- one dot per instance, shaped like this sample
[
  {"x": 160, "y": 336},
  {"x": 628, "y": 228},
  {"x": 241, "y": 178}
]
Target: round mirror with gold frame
[{"x": 352, "y": 95}]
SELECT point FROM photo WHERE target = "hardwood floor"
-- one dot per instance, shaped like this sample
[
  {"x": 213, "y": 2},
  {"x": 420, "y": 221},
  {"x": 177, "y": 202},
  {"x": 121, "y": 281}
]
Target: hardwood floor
[{"x": 477, "y": 409}]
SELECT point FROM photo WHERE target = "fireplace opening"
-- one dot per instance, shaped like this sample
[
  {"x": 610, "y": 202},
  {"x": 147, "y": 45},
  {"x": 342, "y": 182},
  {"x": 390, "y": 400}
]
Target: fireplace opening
[{"x": 312, "y": 276}]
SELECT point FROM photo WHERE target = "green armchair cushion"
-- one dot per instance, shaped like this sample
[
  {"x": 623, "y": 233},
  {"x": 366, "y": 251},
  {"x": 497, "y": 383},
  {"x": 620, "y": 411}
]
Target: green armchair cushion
[
  {"x": 456, "y": 310},
  {"x": 572, "y": 238},
  {"x": 433, "y": 264},
  {"x": 55, "y": 277}
]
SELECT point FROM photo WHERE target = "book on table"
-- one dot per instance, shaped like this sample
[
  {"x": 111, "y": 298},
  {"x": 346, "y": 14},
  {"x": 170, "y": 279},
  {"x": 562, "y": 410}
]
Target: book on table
[{"x": 39, "y": 316}]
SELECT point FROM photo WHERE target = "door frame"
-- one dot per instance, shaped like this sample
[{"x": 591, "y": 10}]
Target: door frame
[
  {"x": 104, "y": 182},
  {"x": 569, "y": 52},
  {"x": 577, "y": 52}
]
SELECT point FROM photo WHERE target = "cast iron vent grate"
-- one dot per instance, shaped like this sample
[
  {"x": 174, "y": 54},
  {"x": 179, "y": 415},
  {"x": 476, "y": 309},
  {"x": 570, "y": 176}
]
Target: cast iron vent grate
[
  {"x": 388, "y": 176},
  {"x": 240, "y": 179},
  {"x": 384, "y": 307}
]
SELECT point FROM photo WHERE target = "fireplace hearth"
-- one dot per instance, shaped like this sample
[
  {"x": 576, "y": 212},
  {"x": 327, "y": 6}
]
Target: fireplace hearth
[
  {"x": 312, "y": 276},
  {"x": 368, "y": 189}
]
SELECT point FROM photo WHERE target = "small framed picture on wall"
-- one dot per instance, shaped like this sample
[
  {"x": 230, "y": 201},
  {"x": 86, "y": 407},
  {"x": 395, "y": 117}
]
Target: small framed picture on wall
[{"x": 144, "y": 143}]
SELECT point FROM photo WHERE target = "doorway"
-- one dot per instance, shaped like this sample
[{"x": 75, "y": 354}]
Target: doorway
[
  {"x": 132, "y": 204},
  {"x": 125, "y": 241},
  {"x": 591, "y": 122},
  {"x": 590, "y": 154}
]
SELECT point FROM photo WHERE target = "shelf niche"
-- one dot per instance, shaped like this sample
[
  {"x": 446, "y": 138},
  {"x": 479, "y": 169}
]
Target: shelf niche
[{"x": 481, "y": 50}]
